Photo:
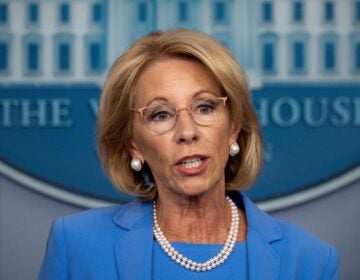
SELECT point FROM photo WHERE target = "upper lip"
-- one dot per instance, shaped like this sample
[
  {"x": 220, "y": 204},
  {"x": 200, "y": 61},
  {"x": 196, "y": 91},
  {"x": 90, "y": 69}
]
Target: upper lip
[{"x": 190, "y": 157}]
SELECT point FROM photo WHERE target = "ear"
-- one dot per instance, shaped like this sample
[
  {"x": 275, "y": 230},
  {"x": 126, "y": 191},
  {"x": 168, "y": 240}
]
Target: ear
[
  {"x": 234, "y": 133},
  {"x": 134, "y": 151}
]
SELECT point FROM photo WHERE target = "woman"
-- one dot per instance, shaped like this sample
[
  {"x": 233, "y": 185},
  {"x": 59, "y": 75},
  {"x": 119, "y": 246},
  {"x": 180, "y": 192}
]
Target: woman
[{"x": 177, "y": 130}]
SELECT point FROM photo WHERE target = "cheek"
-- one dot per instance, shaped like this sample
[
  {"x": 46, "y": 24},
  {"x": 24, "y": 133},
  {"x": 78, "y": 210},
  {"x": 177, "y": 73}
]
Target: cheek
[
  {"x": 226, "y": 139},
  {"x": 147, "y": 148},
  {"x": 153, "y": 150},
  {"x": 142, "y": 145},
  {"x": 219, "y": 139},
  {"x": 224, "y": 134}
]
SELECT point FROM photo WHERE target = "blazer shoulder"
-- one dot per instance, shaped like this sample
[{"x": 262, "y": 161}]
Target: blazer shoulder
[
  {"x": 77, "y": 240},
  {"x": 292, "y": 233},
  {"x": 307, "y": 251},
  {"x": 98, "y": 217},
  {"x": 106, "y": 218}
]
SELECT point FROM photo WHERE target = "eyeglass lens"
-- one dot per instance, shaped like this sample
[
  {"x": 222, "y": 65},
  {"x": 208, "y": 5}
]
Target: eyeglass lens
[{"x": 162, "y": 118}]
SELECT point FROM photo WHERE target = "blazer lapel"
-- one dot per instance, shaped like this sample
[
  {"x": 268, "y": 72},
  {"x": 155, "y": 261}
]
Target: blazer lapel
[
  {"x": 133, "y": 251},
  {"x": 263, "y": 260}
]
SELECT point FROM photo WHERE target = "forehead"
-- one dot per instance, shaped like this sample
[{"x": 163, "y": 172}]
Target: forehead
[{"x": 175, "y": 80}]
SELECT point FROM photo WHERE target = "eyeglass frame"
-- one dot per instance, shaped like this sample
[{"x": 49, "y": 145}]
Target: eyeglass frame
[{"x": 141, "y": 109}]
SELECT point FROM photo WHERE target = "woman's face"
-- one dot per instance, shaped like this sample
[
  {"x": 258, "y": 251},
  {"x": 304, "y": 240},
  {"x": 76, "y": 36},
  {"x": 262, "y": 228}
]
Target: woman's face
[{"x": 189, "y": 159}]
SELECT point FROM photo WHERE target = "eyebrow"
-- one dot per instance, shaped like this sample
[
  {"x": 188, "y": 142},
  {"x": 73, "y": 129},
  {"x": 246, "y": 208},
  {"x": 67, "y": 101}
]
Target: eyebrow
[{"x": 197, "y": 93}]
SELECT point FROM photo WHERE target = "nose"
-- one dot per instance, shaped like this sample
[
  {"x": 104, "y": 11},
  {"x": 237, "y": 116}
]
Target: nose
[{"x": 186, "y": 130}]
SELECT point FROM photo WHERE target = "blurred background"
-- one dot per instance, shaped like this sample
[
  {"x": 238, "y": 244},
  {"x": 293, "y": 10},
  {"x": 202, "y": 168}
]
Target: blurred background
[{"x": 302, "y": 58}]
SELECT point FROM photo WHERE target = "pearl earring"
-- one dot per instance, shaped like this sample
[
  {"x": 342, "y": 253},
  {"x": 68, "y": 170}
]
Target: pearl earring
[
  {"x": 234, "y": 149},
  {"x": 135, "y": 164}
]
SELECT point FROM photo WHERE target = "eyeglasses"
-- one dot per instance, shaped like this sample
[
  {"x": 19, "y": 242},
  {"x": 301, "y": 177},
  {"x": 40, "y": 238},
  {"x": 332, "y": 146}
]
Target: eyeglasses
[{"x": 162, "y": 118}]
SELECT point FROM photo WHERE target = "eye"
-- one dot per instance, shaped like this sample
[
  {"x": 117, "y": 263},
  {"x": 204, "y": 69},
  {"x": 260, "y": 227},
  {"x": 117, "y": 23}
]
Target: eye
[
  {"x": 159, "y": 114},
  {"x": 205, "y": 107}
]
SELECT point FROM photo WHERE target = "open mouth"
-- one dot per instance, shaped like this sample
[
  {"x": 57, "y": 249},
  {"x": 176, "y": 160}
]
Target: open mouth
[
  {"x": 192, "y": 165},
  {"x": 191, "y": 162}
]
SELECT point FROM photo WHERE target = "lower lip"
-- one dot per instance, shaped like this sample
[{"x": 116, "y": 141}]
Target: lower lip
[{"x": 195, "y": 170}]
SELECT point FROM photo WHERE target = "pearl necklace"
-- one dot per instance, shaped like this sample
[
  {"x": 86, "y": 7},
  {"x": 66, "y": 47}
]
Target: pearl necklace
[{"x": 209, "y": 264}]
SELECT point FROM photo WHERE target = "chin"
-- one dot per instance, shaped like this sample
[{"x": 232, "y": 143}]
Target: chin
[{"x": 194, "y": 191}]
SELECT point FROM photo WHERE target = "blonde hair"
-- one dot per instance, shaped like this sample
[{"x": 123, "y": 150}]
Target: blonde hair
[{"x": 115, "y": 119}]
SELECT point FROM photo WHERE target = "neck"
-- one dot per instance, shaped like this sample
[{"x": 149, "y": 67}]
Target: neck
[
  {"x": 194, "y": 219},
  {"x": 216, "y": 260}
]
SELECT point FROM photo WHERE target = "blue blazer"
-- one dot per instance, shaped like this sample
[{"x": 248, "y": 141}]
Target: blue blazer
[{"x": 116, "y": 243}]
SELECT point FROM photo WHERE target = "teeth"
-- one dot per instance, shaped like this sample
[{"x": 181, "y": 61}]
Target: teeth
[{"x": 191, "y": 163}]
